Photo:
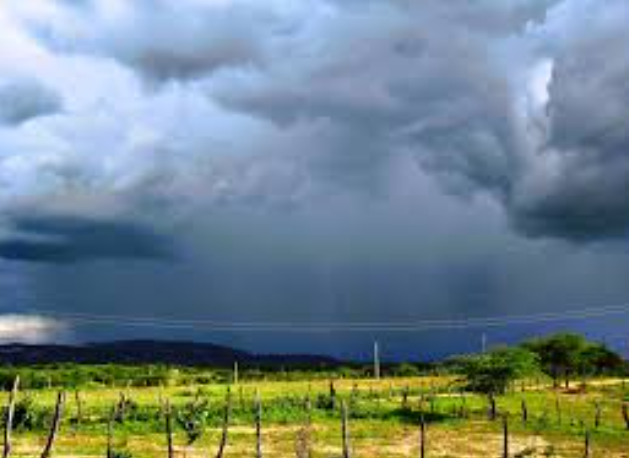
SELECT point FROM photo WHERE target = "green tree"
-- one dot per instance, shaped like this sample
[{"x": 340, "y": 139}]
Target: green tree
[
  {"x": 493, "y": 372},
  {"x": 564, "y": 356}
]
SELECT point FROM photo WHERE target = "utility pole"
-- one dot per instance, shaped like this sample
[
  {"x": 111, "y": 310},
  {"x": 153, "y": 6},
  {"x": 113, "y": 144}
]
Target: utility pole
[
  {"x": 484, "y": 343},
  {"x": 376, "y": 361},
  {"x": 235, "y": 373}
]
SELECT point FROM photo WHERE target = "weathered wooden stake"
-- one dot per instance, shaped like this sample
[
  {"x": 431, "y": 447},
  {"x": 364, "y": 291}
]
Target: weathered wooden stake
[
  {"x": 525, "y": 411},
  {"x": 557, "y": 409},
  {"x": 8, "y": 423},
  {"x": 110, "y": 432},
  {"x": 54, "y": 427},
  {"x": 79, "y": 408},
  {"x": 505, "y": 436},
  {"x": 235, "y": 373},
  {"x": 258, "y": 420},
  {"x": 302, "y": 446},
  {"x": 492, "y": 407},
  {"x": 345, "y": 431},
  {"x": 405, "y": 394},
  {"x": 332, "y": 395},
  {"x": 226, "y": 421},
  {"x": 597, "y": 416},
  {"x": 586, "y": 453},
  {"x": 625, "y": 414},
  {"x": 169, "y": 429},
  {"x": 422, "y": 437}
]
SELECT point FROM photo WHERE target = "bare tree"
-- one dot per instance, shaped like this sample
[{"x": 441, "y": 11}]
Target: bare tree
[{"x": 8, "y": 424}]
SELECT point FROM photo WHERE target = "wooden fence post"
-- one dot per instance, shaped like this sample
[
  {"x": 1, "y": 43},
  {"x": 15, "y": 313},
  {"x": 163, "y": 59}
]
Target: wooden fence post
[
  {"x": 505, "y": 436},
  {"x": 525, "y": 411},
  {"x": 169, "y": 429},
  {"x": 492, "y": 407},
  {"x": 405, "y": 394},
  {"x": 345, "y": 431},
  {"x": 54, "y": 427},
  {"x": 625, "y": 414},
  {"x": 226, "y": 421},
  {"x": 598, "y": 414},
  {"x": 79, "y": 408},
  {"x": 303, "y": 447},
  {"x": 586, "y": 453},
  {"x": 258, "y": 420},
  {"x": 422, "y": 436},
  {"x": 110, "y": 432},
  {"x": 8, "y": 423}
]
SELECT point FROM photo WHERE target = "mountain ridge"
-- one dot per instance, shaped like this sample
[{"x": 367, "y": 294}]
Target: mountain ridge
[{"x": 146, "y": 351}]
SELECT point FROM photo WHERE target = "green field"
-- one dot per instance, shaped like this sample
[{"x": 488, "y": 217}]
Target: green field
[{"x": 381, "y": 422}]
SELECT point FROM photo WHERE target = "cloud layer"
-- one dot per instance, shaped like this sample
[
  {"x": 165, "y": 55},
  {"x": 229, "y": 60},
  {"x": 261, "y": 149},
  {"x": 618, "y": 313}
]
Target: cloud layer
[{"x": 250, "y": 155}]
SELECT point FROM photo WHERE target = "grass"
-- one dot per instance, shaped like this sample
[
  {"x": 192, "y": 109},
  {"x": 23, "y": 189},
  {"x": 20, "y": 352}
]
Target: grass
[{"x": 381, "y": 426}]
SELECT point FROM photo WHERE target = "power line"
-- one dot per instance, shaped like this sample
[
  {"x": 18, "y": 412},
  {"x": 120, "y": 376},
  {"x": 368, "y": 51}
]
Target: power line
[{"x": 335, "y": 326}]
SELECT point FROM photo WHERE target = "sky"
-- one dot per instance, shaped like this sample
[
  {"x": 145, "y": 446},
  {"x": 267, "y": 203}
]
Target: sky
[{"x": 309, "y": 162}]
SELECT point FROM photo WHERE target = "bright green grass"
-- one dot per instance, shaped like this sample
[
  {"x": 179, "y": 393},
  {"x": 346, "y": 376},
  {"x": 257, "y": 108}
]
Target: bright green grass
[{"x": 380, "y": 425}]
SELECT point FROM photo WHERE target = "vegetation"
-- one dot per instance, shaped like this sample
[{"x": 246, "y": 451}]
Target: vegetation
[
  {"x": 493, "y": 372},
  {"x": 302, "y": 414}
]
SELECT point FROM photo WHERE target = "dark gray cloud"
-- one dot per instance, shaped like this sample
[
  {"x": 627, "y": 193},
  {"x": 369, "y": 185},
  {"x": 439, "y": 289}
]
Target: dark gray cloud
[
  {"x": 23, "y": 99},
  {"x": 62, "y": 239},
  {"x": 321, "y": 160}
]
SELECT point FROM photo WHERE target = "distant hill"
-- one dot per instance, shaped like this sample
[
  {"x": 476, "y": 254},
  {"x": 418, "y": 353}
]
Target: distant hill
[{"x": 151, "y": 352}]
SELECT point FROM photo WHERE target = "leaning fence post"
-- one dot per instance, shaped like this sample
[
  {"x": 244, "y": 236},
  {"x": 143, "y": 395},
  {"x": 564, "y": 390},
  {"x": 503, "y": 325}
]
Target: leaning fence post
[
  {"x": 54, "y": 427},
  {"x": 258, "y": 419},
  {"x": 8, "y": 424},
  {"x": 226, "y": 420},
  {"x": 169, "y": 429},
  {"x": 345, "y": 431},
  {"x": 586, "y": 453}
]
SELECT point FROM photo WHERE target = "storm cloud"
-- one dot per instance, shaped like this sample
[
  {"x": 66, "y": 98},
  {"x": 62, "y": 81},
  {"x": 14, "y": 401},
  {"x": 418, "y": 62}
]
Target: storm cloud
[
  {"x": 21, "y": 100},
  {"x": 315, "y": 160},
  {"x": 58, "y": 239}
]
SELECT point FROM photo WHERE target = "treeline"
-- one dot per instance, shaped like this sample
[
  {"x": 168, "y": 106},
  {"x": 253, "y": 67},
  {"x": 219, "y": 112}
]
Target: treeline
[
  {"x": 563, "y": 357},
  {"x": 73, "y": 375}
]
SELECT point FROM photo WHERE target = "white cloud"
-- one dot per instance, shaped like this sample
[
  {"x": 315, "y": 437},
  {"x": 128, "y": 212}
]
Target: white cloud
[{"x": 31, "y": 329}]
